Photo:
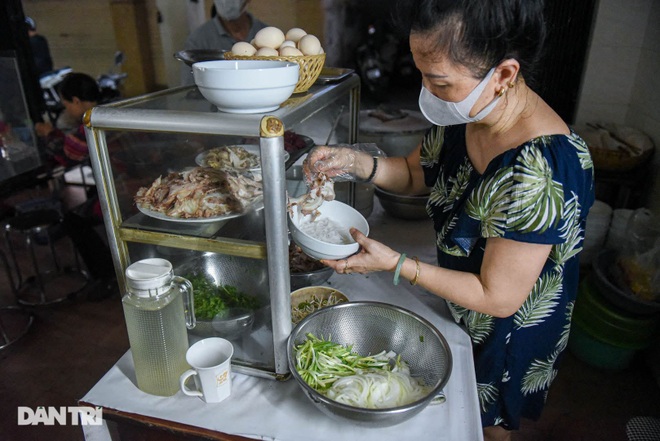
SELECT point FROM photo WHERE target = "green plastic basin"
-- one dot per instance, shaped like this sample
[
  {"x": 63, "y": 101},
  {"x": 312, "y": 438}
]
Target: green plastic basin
[
  {"x": 609, "y": 323},
  {"x": 596, "y": 352}
]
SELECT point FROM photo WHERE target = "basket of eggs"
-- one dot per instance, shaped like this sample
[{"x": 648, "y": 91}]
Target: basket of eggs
[{"x": 296, "y": 46}]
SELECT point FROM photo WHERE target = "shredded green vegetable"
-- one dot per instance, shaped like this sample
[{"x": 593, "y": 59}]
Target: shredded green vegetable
[
  {"x": 322, "y": 362},
  {"x": 211, "y": 299},
  {"x": 376, "y": 381}
]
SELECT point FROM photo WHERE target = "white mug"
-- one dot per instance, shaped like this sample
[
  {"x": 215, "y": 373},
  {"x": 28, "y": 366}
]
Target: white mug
[{"x": 210, "y": 360}]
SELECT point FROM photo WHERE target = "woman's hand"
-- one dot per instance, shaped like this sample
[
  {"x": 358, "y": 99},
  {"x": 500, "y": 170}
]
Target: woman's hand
[
  {"x": 337, "y": 163},
  {"x": 43, "y": 129},
  {"x": 373, "y": 256}
]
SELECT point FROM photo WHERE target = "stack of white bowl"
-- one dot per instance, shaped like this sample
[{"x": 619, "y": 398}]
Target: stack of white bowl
[
  {"x": 596, "y": 230},
  {"x": 618, "y": 236}
]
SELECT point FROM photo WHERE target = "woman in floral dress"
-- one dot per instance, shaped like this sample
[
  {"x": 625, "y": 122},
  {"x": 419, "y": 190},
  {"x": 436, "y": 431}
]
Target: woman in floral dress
[{"x": 510, "y": 188}]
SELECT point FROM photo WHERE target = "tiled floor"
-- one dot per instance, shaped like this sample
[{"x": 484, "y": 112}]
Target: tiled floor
[{"x": 72, "y": 344}]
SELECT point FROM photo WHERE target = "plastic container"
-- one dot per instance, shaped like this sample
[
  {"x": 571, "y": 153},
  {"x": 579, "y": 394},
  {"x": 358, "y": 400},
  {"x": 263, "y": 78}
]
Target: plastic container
[
  {"x": 158, "y": 309},
  {"x": 609, "y": 282},
  {"x": 609, "y": 322},
  {"x": 597, "y": 353},
  {"x": 605, "y": 336},
  {"x": 595, "y": 233}
]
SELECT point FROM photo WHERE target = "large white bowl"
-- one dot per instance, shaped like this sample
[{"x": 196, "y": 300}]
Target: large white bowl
[
  {"x": 343, "y": 215},
  {"x": 246, "y": 86}
]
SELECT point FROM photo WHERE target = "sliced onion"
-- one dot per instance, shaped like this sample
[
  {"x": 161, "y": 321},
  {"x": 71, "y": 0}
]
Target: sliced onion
[{"x": 378, "y": 389}]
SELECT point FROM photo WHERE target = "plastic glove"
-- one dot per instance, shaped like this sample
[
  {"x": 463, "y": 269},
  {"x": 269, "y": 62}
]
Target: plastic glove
[{"x": 342, "y": 162}]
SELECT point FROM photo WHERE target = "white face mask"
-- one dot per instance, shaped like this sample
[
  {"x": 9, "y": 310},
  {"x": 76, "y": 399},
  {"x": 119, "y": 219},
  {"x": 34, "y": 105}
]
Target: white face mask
[
  {"x": 447, "y": 113},
  {"x": 230, "y": 9}
]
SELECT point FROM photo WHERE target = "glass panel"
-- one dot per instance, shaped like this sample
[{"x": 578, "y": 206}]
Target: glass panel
[
  {"x": 18, "y": 148},
  {"x": 138, "y": 159},
  {"x": 247, "y": 283}
]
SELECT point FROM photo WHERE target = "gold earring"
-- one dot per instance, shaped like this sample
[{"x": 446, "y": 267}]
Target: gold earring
[
  {"x": 511, "y": 84},
  {"x": 501, "y": 92}
]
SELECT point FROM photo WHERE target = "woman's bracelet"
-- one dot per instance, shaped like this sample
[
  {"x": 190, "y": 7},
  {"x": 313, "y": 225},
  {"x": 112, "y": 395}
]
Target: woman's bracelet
[
  {"x": 399, "y": 264},
  {"x": 416, "y": 279},
  {"x": 373, "y": 171}
]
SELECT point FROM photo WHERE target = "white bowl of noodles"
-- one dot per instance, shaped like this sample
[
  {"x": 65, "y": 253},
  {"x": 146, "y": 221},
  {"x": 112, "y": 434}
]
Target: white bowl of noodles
[{"x": 327, "y": 235}]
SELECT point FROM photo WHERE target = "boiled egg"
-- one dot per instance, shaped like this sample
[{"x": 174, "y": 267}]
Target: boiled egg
[
  {"x": 243, "y": 48},
  {"x": 295, "y": 34},
  {"x": 266, "y": 52},
  {"x": 270, "y": 37},
  {"x": 309, "y": 45},
  {"x": 288, "y": 43},
  {"x": 289, "y": 51}
]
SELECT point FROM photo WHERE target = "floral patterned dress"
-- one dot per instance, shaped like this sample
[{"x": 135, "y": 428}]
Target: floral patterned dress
[{"x": 539, "y": 192}]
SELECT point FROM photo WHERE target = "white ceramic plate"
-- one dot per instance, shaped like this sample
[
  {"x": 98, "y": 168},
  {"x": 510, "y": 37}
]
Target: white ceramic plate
[
  {"x": 255, "y": 206},
  {"x": 251, "y": 148}
]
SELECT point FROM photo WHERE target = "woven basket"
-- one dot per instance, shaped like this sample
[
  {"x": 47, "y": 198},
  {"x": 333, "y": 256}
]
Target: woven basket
[
  {"x": 310, "y": 67},
  {"x": 616, "y": 160}
]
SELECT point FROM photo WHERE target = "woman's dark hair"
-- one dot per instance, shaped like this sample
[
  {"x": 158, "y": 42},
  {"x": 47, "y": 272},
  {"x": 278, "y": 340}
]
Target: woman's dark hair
[
  {"x": 81, "y": 85},
  {"x": 479, "y": 34}
]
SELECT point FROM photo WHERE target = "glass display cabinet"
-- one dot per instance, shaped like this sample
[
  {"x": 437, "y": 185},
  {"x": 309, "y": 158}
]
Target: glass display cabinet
[
  {"x": 135, "y": 141},
  {"x": 18, "y": 147}
]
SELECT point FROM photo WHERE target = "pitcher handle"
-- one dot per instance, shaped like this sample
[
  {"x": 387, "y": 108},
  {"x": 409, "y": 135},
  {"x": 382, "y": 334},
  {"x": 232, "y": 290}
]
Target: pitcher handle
[{"x": 188, "y": 301}]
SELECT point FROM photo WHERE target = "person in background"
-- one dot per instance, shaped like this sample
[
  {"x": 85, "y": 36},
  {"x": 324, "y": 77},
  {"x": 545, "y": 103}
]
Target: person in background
[
  {"x": 79, "y": 92},
  {"x": 231, "y": 23},
  {"x": 510, "y": 189},
  {"x": 40, "y": 49}
]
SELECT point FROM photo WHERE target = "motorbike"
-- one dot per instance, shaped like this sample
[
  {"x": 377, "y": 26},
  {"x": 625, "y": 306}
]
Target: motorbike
[
  {"x": 109, "y": 84},
  {"x": 384, "y": 59},
  {"x": 49, "y": 83},
  {"x": 371, "y": 67}
]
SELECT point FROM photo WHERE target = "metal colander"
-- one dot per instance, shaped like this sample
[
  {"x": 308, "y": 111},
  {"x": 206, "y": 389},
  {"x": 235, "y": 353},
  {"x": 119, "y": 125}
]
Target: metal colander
[{"x": 371, "y": 327}]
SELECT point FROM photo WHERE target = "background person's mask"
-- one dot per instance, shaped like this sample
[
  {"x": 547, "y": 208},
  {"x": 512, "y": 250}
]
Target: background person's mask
[
  {"x": 447, "y": 113},
  {"x": 230, "y": 9}
]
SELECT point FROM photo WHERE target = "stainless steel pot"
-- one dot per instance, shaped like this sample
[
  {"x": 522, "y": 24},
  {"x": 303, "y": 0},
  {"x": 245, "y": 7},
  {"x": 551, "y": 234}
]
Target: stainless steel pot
[
  {"x": 402, "y": 206},
  {"x": 396, "y": 132}
]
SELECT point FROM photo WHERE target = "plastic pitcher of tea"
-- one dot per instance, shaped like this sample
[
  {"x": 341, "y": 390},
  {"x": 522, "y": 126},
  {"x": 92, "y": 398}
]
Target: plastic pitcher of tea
[{"x": 158, "y": 309}]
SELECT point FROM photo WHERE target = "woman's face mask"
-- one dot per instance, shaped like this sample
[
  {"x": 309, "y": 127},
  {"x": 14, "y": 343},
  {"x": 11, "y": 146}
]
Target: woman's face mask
[
  {"x": 447, "y": 113},
  {"x": 230, "y": 9}
]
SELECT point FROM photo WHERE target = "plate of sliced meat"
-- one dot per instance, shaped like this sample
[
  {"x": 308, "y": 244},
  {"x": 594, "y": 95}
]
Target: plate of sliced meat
[
  {"x": 240, "y": 157},
  {"x": 200, "y": 194}
]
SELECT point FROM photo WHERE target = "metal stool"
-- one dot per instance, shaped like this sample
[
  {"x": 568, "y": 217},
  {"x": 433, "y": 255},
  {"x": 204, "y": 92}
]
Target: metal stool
[
  {"x": 40, "y": 227},
  {"x": 15, "y": 320}
]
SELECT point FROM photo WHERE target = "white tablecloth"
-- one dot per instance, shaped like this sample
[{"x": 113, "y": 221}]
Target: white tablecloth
[{"x": 271, "y": 410}]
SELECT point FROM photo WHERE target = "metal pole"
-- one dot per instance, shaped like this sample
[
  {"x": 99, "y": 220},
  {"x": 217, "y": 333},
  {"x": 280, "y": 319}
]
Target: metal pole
[{"x": 277, "y": 247}]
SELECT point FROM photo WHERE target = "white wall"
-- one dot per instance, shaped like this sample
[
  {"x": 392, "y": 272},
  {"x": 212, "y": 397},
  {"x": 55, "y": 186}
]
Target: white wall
[
  {"x": 614, "y": 56},
  {"x": 644, "y": 111},
  {"x": 622, "y": 78},
  {"x": 174, "y": 16}
]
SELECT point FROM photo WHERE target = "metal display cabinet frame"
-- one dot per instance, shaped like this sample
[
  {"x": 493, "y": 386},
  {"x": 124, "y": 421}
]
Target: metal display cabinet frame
[{"x": 180, "y": 111}]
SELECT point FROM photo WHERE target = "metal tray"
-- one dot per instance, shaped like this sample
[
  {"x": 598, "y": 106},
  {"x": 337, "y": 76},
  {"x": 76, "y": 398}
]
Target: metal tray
[
  {"x": 192, "y": 56},
  {"x": 332, "y": 75}
]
